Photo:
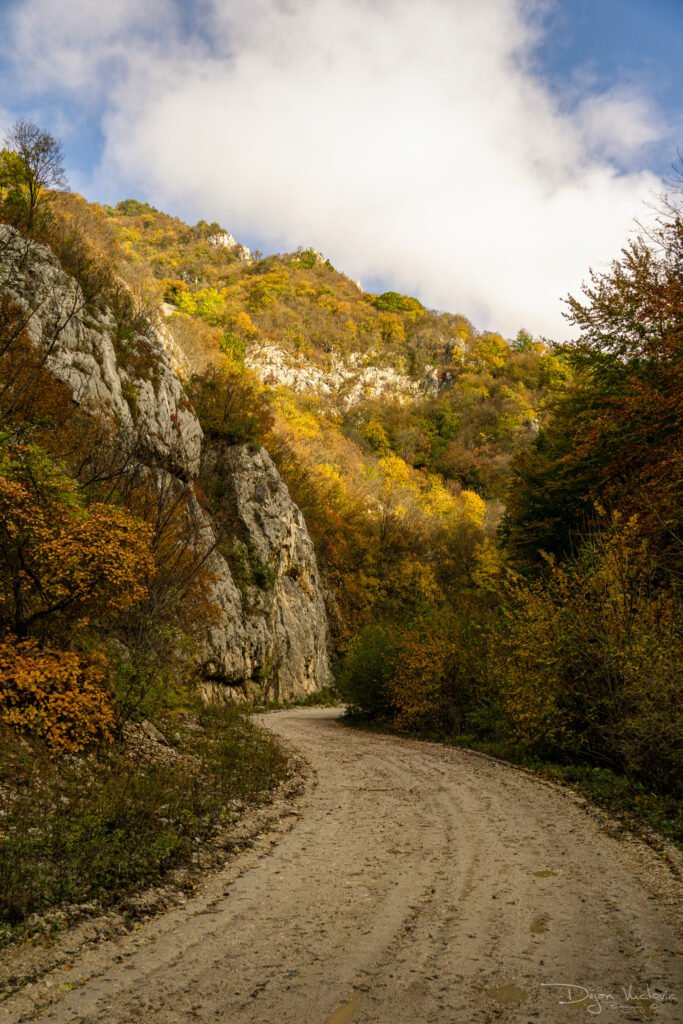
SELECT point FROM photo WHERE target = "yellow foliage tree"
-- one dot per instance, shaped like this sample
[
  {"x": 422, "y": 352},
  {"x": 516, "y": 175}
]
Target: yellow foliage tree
[{"x": 422, "y": 684}]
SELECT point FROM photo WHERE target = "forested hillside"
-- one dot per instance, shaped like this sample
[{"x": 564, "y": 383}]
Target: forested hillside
[
  {"x": 474, "y": 397},
  {"x": 394, "y": 426}
]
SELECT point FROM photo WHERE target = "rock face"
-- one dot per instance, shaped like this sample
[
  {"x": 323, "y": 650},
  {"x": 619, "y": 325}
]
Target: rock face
[
  {"x": 224, "y": 240},
  {"x": 284, "y": 636},
  {"x": 344, "y": 383},
  {"x": 133, "y": 382},
  {"x": 270, "y": 638}
]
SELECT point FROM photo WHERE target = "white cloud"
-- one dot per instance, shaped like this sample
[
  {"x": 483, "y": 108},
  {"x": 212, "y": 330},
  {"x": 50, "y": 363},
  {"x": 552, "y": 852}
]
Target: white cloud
[
  {"x": 619, "y": 123},
  {"x": 410, "y": 142},
  {"x": 67, "y": 46}
]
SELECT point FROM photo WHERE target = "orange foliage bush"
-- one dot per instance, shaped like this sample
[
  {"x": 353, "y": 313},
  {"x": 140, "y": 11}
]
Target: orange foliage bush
[
  {"x": 61, "y": 561},
  {"x": 58, "y": 695}
]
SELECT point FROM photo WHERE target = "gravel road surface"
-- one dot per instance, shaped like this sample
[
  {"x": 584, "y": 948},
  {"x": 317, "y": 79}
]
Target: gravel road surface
[{"x": 413, "y": 884}]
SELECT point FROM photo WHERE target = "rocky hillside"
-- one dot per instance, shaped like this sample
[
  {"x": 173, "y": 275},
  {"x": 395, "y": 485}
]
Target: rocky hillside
[
  {"x": 345, "y": 383},
  {"x": 393, "y": 426},
  {"x": 267, "y": 633}
]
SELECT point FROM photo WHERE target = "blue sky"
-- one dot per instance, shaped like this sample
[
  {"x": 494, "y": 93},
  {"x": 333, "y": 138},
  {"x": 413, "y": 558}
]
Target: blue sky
[
  {"x": 634, "y": 42},
  {"x": 481, "y": 156}
]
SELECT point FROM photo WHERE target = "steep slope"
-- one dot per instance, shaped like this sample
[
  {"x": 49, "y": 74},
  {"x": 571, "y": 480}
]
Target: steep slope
[
  {"x": 269, "y": 640},
  {"x": 393, "y": 427}
]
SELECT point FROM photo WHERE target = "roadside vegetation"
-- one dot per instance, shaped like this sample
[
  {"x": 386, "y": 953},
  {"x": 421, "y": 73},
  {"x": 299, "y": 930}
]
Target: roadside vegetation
[{"x": 83, "y": 833}]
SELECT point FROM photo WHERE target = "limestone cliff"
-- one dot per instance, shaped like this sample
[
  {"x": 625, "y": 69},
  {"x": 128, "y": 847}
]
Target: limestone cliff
[
  {"x": 270, "y": 637},
  {"x": 271, "y": 555},
  {"x": 345, "y": 382}
]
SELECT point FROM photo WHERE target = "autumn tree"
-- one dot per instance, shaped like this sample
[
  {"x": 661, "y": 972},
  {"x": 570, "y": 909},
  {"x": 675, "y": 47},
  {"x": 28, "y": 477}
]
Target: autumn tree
[
  {"x": 230, "y": 403},
  {"x": 31, "y": 171},
  {"x": 63, "y": 562},
  {"x": 590, "y": 661},
  {"x": 616, "y": 435}
]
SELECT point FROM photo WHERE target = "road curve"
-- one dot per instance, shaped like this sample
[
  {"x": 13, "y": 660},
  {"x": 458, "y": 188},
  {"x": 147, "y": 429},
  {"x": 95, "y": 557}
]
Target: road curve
[{"x": 419, "y": 884}]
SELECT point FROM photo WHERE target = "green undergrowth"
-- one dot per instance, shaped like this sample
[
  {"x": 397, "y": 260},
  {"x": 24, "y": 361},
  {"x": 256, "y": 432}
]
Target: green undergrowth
[
  {"x": 638, "y": 808},
  {"x": 97, "y": 829}
]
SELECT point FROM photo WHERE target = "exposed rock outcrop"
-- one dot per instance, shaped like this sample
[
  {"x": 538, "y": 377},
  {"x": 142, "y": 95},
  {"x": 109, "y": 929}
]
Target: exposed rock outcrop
[
  {"x": 224, "y": 240},
  {"x": 284, "y": 634},
  {"x": 270, "y": 636},
  {"x": 132, "y": 381},
  {"x": 344, "y": 383}
]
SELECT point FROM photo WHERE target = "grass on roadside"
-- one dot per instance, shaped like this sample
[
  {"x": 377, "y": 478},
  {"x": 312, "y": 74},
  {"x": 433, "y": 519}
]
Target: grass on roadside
[{"x": 77, "y": 830}]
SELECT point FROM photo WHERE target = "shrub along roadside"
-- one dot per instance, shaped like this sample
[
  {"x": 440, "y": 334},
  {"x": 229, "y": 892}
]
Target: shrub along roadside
[{"x": 96, "y": 829}]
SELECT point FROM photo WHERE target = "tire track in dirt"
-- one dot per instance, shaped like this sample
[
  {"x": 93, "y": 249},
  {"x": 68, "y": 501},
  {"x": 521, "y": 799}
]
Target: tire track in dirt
[{"x": 419, "y": 884}]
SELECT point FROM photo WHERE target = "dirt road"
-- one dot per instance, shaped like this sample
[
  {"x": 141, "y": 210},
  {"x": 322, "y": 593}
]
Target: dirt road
[{"x": 418, "y": 884}]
